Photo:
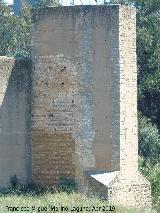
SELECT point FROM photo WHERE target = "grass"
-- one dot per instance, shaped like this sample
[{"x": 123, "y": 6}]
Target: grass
[{"x": 53, "y": 202}]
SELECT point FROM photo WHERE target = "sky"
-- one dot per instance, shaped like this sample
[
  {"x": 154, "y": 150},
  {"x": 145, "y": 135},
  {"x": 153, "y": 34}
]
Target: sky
[
  {"x": 66, "y": 2},
  {"x": 9, "y": 1}
]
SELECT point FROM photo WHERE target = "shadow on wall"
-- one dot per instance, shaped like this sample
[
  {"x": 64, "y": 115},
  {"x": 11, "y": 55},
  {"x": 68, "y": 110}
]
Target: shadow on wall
[{"x": 15, "y": 103}]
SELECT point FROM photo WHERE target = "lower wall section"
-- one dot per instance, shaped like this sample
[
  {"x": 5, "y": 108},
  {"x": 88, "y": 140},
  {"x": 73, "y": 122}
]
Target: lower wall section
[
  {"x": 15, "y": 90},
  {"x": 52, "y": 156}
]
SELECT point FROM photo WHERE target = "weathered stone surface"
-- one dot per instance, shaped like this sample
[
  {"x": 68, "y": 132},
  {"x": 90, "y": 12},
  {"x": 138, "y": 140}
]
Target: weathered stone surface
[
  {"x": 85, "y": 76},
  {"x": 15, "y": 91},
  {"x": 84, "y": 104},
  {"x": 52, "y": 156}
]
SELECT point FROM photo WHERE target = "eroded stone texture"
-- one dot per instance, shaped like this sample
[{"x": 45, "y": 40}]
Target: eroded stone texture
[
  {"x": 15, "y": 91},
  {"x": 84, "y": 104},
  {"x": 53, "y": 156},
  {"x": 85, "y": 83},
  {"x": 54, "y": 108},
  {"x": 85, "y": 77}
]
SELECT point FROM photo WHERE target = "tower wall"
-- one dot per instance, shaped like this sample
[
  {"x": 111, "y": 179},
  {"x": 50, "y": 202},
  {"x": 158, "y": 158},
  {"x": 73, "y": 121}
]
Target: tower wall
[
  {"x": 82, "y": 119},
  {"x": 75, "y": 88}
]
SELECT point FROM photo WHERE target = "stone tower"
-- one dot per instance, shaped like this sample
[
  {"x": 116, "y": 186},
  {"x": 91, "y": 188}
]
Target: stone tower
[
  {"x": 74, "y": 113},
  {"x": 84, "y": 108}
]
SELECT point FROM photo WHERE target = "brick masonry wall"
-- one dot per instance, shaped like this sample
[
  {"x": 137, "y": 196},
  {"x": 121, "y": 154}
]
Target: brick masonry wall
[
  {"x": 54, "y": 86},
  {"x": 52, "y": 159}
]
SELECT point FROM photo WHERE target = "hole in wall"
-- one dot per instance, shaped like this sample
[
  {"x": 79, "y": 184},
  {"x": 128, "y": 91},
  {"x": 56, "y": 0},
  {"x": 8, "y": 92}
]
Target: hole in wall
[
  {"x": 51, "y": 115},
  {"x": 63, "y": 69}
]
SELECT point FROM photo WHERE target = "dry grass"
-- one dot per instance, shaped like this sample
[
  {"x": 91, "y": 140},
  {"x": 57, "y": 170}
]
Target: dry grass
[{"x": 52, "y": 202}]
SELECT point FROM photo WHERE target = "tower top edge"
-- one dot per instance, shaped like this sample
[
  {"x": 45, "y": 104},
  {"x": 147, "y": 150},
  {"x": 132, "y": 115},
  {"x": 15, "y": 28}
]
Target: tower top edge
[{"x": 84, "y": 7}]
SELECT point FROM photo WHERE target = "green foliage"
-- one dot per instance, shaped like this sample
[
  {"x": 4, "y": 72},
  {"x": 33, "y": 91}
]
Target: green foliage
[
  {"x": 123, "y": 2},
  {"x": 14, "y": 182},
  {"x": 152, "y": 172},
  {"x": 149, "y": 150},
  {"x": 7, "y": 31},
  {"x": 15, "y": 32},
  {"x": 149, "y": 97},
  {"x": 30, "y": 189},
  {"x": 45, "y": 3},
  {"x": 148, "y": 51},
  {"x": 149, "y": 140},
  {"x": 40, "y": 5},
  {"x": 67, "y": 184}
]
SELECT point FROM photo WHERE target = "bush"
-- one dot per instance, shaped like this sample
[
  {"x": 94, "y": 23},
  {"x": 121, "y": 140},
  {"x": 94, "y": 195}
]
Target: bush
[
  {"x": 66, "y": 184},
  {"x": 149, "y": 150},
  {"x": 152, "y": 173},
  {"x": 14, "y": 182},
  {"x": 149, "y": 140},
  {"x": 30, "y": 189}
]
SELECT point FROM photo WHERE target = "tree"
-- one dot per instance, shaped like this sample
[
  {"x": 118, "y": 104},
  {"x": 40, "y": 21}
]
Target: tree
[
  {"x": 46, "y": 3},
  {"x": 15, "y": 36},
  {"x": 14, "y": 32},
  {"x": 7, "y": 31},
  {"x": 149, "y": 140},
  {"x": 148, "y": 51}
]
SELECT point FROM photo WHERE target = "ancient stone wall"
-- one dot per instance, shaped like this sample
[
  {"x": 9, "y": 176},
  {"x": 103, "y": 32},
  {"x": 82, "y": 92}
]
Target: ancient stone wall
[
  {"x": 15, "y": 85},
  {"x": 53, "y": 109},
  {"x": 128, "y": 92},
  {"x": 79, "y": 118},
  {"x": 84, "y": 99},
  {"x": 74, "y": 53}
]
